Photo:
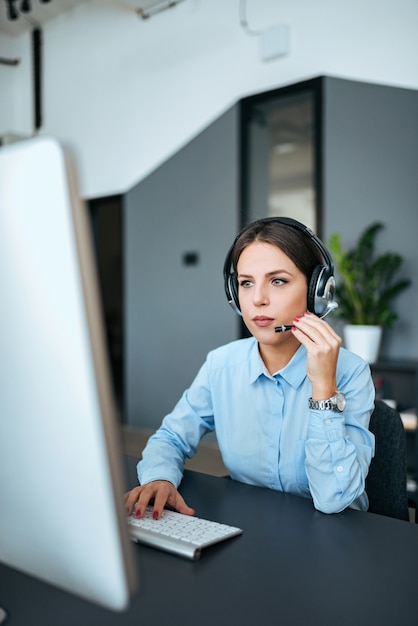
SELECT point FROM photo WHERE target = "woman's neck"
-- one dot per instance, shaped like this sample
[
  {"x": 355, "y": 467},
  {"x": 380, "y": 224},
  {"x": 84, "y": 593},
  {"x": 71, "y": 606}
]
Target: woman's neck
[{"x": 276, "y": 358}]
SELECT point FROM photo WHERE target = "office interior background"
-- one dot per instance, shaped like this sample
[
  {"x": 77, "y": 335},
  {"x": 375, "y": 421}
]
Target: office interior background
[{"x": 150, "y": 111}]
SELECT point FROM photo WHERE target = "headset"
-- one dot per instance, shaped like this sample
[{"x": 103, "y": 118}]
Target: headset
[{"x": 321, "y": 288}]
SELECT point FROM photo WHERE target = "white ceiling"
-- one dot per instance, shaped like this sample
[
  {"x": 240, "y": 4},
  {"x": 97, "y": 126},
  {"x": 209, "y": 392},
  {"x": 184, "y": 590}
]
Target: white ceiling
[{"x": 42, "y": 12}]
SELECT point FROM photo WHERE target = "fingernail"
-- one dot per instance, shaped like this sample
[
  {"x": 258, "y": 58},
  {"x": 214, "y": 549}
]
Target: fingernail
[
  {"x": 155, "y": 515},
  {"x": 294, "y": 328},
  {"x": 307, "y": 312},
  {"x": 297, "y": 318},
  {"x": 138, "y": 512}
]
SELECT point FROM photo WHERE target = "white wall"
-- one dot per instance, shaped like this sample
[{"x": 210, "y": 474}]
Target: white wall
[{"x": 126, "y": 94}]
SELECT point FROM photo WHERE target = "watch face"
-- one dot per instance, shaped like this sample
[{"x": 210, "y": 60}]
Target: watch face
[{"x": 341, "y": 401}]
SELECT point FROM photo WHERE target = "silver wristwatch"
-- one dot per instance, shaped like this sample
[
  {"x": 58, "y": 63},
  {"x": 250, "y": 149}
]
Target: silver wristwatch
[{"x": 336, "y": 403}]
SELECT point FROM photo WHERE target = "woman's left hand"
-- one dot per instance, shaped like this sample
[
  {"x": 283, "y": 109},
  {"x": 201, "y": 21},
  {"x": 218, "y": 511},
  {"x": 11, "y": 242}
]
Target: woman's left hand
[{"x": 322, "y": 345}]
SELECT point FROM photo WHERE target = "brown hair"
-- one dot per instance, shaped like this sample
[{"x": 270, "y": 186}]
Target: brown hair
[{"x": 292, "y": 241}]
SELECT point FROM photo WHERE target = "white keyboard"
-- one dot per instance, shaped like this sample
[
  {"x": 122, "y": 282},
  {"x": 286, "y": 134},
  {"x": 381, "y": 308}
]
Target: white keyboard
[{"x": 183, "y": 535}]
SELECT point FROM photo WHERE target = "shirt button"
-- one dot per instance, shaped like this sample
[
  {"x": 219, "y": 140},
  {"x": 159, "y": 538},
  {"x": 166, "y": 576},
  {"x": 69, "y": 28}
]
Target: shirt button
[
  {"x": 340, "y": 468},
  {"x": 328, "y": 422}
]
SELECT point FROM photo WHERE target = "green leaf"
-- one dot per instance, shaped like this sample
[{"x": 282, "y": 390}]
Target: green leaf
[{"x": 367, "y": 284}]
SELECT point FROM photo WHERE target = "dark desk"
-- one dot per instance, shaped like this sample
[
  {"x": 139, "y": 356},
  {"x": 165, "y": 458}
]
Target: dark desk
[{"x": 292, "y": 565}]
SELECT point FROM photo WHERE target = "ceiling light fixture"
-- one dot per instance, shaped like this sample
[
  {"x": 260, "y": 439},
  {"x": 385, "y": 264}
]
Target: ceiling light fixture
[
  {"x": 25, "y": 7},
  {"x": 285, "y": 148},
  {"x": 12, "y": 13},
  {"x": 157, "y": 8}
]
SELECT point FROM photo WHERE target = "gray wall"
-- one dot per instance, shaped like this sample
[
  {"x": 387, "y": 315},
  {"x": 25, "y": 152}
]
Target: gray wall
[
  {"x": 176, "y": 313},
  {"x": 371, "y": 173}
]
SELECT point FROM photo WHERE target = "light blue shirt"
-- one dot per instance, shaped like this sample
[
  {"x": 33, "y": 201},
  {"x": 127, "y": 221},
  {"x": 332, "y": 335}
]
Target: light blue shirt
[{"x": 266, "y": 433}]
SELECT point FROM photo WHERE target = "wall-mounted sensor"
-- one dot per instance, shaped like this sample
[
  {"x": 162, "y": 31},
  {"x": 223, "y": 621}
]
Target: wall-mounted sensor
[{"x": 275, "y": 42}]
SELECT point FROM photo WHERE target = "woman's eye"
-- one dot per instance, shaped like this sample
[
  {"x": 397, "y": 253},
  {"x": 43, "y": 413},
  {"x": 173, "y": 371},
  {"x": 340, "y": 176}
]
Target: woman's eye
[
  {"x": 278, "y": 281},
  {"x": 245, "y": 283}
]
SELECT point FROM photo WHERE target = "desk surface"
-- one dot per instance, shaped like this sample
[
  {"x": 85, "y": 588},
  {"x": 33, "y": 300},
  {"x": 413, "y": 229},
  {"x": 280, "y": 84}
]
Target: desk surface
[{"x": 292, "y": 565}]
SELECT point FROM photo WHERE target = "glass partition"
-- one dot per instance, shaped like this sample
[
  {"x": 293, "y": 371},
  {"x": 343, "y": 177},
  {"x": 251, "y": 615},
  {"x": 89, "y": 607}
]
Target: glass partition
[{"x": 280, "y": 155}]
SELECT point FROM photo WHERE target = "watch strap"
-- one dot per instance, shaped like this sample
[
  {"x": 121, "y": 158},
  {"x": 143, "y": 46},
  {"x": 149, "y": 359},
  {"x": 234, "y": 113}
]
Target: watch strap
[
  {"x": 322, "y": 405},
  {"x": 336, "y": 403}
]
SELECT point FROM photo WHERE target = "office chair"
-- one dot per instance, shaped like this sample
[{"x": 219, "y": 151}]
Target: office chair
[{"x": 386, "y": 480}]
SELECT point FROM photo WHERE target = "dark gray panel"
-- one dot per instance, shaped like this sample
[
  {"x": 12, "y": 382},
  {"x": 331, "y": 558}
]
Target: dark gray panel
[
  {"x": 179, "y": 224},
  {"x": 371, "y": 173}
]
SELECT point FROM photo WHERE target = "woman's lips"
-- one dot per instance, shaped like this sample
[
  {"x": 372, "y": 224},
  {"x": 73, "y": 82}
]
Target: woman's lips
[{"x": 262, "y": 321}]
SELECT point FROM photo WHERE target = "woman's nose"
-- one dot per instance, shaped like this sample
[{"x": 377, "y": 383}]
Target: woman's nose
[{"x": 260, "y": 295}]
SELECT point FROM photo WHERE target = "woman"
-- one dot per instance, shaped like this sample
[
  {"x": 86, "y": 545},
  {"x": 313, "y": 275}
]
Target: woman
[{"x": 290, "y": 407}]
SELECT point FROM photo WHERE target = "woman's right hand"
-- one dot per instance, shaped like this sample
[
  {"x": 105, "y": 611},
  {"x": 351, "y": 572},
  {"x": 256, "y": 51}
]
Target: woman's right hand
[{"x": 162, "y": 492}]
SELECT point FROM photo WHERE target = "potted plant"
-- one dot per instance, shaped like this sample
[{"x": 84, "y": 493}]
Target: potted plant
[{"x": 368, "y": 284}]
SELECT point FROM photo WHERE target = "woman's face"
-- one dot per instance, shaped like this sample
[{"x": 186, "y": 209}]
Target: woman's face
[{"x": 272, "y": 291}]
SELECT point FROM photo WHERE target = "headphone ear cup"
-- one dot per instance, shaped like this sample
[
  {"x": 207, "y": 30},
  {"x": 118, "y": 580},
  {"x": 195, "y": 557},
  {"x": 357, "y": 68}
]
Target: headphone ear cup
[
  {"x": 321, "y": 291},
  {"x": 231, "y": 283},
  {"x": 233, "y": 291},
  {"x": 313, "y": 289}
]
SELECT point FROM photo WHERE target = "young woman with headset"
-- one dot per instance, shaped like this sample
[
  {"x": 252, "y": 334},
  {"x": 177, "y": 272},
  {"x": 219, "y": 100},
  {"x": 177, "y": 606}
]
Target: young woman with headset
[{"x": 290, "y": 407}]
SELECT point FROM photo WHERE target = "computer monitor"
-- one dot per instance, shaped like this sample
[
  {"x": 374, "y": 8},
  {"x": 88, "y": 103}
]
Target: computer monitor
[{"x": 62, "y": 485}]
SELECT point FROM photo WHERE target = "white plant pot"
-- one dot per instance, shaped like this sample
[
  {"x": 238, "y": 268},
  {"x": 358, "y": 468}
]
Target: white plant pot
[{"x": 363, "y": 340}]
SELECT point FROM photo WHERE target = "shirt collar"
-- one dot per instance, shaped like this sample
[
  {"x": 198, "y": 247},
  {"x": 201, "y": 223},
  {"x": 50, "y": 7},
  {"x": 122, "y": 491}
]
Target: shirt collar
[
  {"x": 294, "y": 373},
  {"x": 256, "y": 365}
]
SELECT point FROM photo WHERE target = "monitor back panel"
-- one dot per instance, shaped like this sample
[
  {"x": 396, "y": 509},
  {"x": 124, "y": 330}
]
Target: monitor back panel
[{"x": 61, "y": 489}]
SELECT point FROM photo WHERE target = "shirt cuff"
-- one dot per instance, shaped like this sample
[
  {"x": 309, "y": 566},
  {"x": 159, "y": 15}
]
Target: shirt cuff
[{"x": 327, "y": 425}]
